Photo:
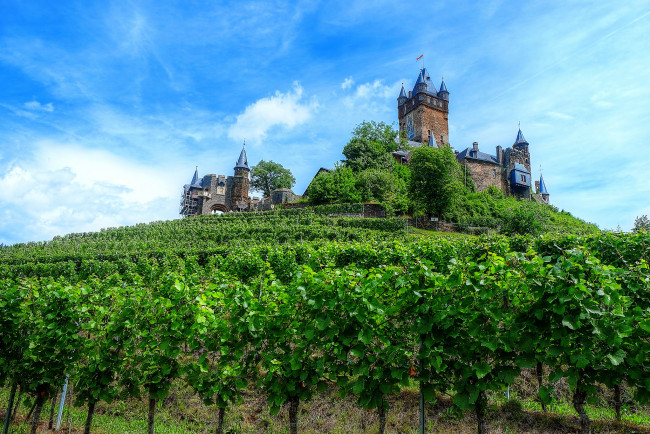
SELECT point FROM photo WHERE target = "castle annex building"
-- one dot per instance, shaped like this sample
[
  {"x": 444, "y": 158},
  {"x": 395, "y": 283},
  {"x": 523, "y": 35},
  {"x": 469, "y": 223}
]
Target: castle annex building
[
  {"x": 424, "y": 118},
  {"x": 217, "y": 193}
]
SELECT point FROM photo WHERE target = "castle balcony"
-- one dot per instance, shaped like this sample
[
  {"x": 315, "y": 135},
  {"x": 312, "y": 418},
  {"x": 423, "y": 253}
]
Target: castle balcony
[{"x": 519, "y": 177}]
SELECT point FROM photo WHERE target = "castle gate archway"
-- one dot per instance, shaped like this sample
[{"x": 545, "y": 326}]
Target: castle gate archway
[{"x": 218, "y": 209}]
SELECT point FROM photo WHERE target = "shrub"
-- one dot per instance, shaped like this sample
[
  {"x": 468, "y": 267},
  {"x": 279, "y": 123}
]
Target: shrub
[{"x": 526, "y": 218}]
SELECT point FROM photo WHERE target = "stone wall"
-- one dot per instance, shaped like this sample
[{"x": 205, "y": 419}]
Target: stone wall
[
  {"x": 426, "y": 223},
  {"x": 485, "y": 174},
  {"x": 373, "y": 210}
]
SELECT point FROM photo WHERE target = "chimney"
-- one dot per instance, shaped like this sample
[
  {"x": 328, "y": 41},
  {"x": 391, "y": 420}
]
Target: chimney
[
  {"x": 536, "y": 186},
  {"x": 475, "y": 146},
  {"x": 410, "y": 93},
  {"x": 499, "y": 154}
]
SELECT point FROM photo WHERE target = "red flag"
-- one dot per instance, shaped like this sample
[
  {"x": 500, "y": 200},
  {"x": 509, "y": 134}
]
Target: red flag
[{"x": 421, "y": 56}]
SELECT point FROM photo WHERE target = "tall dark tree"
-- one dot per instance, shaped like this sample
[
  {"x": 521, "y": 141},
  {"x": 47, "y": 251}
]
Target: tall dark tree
[{"x": 267, "y": 176}]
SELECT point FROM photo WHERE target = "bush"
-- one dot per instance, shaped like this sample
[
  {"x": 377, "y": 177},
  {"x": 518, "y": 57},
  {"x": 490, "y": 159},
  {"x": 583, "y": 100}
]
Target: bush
[{"x": 526, "y": 218}]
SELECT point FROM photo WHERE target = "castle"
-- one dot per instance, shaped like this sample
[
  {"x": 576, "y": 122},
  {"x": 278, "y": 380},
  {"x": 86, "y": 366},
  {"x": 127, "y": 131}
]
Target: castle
[
  {"x": 424, "y": 118},
  {"x": 216, "y": 193}
]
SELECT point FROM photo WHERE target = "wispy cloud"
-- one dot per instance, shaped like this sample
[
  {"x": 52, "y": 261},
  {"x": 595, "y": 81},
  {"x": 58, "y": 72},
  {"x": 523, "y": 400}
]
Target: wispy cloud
[
  {"x": 285, "y": 110},
  {"x": 37, "y": 106}
]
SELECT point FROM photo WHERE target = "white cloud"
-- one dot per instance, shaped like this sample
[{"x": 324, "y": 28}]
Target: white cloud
[
  {"x": 37, "y": 106},
  {"x": 67, "y": 188},
  {"x": 366, "y": 92},
  {"x": 347, "y": 83},
  {"x": 282, "y": 109}
]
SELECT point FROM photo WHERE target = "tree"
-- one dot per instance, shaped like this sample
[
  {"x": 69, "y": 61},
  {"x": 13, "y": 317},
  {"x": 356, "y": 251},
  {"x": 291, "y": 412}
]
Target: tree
[
  {"x": 641, "y": 223},
  {"x": 338, "y": 185},
  {"x": 371, "y": 145},
  {"x": 267, "y": 176},
  {"x": 435, "y": 179}
]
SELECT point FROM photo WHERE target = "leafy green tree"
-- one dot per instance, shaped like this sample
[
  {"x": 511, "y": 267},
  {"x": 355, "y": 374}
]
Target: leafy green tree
[
  {"x": 267, "y": 176},
  {"x": 384, "y": 187},
  {"x": 338, "y": 185},
  {"x": 641, "y": 223},
  {"x": 435, "y": 179},
  {"x": 370, "y": 147}
]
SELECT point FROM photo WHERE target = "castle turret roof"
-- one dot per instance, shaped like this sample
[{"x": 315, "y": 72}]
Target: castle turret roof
[
  {"x": 542, "y": 186},
  {"x": 420, "y": 78},
  {"x": 402, "y": 93},
  {"x": 520, "y": 138},
  {"x": 243, "y": 160},
  {"x": 443, "y": 87},
  {"x": 195, "y": 179}
]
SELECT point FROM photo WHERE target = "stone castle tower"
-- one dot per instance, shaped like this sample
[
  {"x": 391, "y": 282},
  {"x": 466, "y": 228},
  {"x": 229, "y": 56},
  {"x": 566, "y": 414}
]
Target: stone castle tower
[
  {"x": 424, "y": 118},
  {"x": 216, "y": 193},
  {"x": 424, "y": 114}
]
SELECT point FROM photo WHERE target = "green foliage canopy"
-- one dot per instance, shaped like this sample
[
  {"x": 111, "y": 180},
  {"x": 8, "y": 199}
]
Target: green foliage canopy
[
  {"x": 370, "y": 147},
  {"x": 267, "y": 176},
  {"x": 436, "y": 179}
]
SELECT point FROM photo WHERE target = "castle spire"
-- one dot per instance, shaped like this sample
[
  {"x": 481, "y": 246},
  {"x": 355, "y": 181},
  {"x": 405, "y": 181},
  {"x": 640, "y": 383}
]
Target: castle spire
[
  {"x": 242, "y": 162},
  {"x": 520, "y": 140},
  {"x": 402, "y": 93},
  {"x": 401, "y": 99},
  {"x": 542, "y": 185},
  {"x": 420, "y": 83},
  {"x": 195, "y": 178},
  {"x": 443, "y": 86},
  {"x": 443, "y": 93}
]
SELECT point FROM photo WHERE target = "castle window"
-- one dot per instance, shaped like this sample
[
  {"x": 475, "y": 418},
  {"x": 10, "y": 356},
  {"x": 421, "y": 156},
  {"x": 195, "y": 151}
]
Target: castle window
[
  {"x": 428, "y": 99},
  {"x": 523, "y": 178},
  {"x": 420, "y": 98},
  {"x": 494, "y": 173}
]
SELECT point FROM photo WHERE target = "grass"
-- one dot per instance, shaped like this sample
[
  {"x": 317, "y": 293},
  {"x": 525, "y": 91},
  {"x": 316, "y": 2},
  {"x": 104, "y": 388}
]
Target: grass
[{"x": 183, "y": 412}]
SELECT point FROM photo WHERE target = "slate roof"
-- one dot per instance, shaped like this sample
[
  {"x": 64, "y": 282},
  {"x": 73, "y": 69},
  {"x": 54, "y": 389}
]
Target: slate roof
[
  {"x": 402, "y": 93},
  {"x": 243, "y": 160},
  {"x": 542, "y": 186},
  {"x": 520, "y": 168},
  {"x": 195, "y": 183},
  {"x": 419, "y": 80},
  {"x": 443, "y": 87},
  {"x": 471, "y": 154},
  {"x": 520, "y": 138}
]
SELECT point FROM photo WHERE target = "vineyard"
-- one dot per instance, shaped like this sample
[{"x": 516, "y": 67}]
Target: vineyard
[{"x": 294, "y": 303}]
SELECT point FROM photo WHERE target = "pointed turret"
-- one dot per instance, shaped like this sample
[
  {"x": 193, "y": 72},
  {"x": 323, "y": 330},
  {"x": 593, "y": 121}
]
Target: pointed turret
[
  {"x": 443, "y": 93},
  {"x": 401, "y": 99},
  {"x": 242, "y": 162},
  {"x": 542, "y": 185},
  {"x": 542, "y": 189},
  {"x": 420, "y": 84},
  {"x": 195, "y": 179},
  {"x": 520, "y": 140}
]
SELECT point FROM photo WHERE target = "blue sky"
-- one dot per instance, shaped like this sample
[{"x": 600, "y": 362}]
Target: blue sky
[{"x": 107, "y": 106}]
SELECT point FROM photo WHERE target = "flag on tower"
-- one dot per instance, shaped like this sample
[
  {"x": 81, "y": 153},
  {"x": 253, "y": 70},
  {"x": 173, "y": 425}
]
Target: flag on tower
[{"x": 421, "y": 56}]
